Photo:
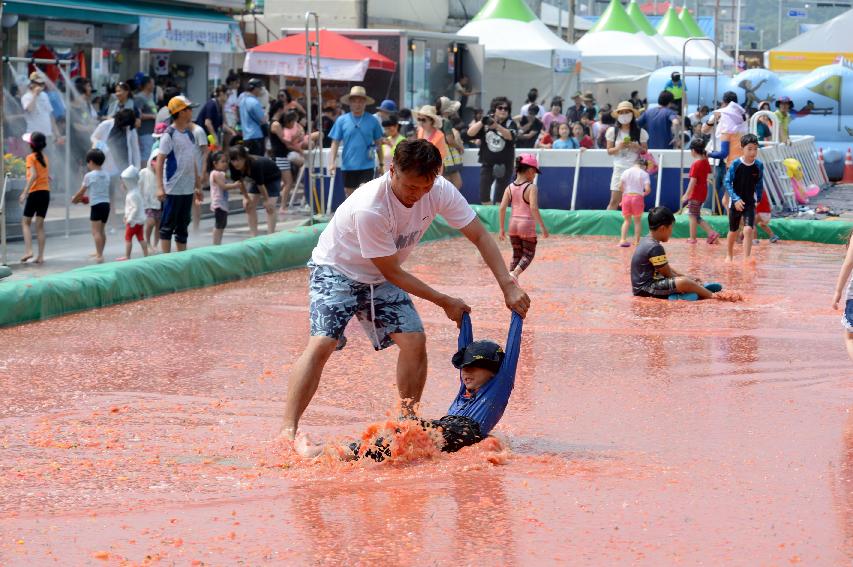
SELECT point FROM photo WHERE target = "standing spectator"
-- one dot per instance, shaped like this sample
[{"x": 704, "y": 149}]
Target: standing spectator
[
  {"x": 265, "y": 184},
  {"x": 122, "y": 100},
  {"x": 497, "y": 133},
  {"x": 783, "y": 113},
  {"x": 659, "y": 123},
  {"x": 408, "y": 126},
  {"x": 231, "y": 108},
  {"x": 575, "y": 112},
  {"x": 163, "y": 115},
  {"x": 36, "y": 195},
  {"x": 252, "y": 118},
  {"x": 606, "y": 121},
  {"x": 676, "y": 88},
  {"x": 555, "y": 114},
  {"x": 84, "y": 119},
  {"x": 429, "y": 129},
  {"x": 37, "y": 110},
  {"x": 530, "y": 127},
  {"x": 581, "y": 139},
  {"x": 117, "y": 138},
  {"x": 148, "y": 190},
  {"x": 589, "y": 103},
  {"x": 219, "y": 187},
  {"x": 202, "y": 152},
  {"x": 385, "y": 109},
  {"x": 462, "y": 91},
  {"x": 134, "y": 212},
  {"x": 765, "y": 125},
  {"x": 97, "y": 184},
  {"x": 455, "y": 148},
  {"x": 144, "y": 102},
  {"x": 286, "y": 137},
  {"x": 211, "y": 117},
  {"x": 532, "y": 98},
  {"x": 636, "y": 100},
  {"x": 178, "y": 177},
  {"x": 390, "y": 142},
  {"x": 625, "y": 142},
  {"x": 360, "y": 134}
]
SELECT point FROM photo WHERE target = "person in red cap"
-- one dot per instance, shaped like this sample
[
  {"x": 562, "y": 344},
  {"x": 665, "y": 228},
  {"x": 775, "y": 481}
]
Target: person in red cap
[{"x": 523, "y": 196}]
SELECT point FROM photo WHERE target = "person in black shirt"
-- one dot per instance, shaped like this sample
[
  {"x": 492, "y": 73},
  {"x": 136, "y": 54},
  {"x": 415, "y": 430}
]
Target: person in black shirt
[
  {"x": 530, "y": 129},
  {"x": 497, "y": 133},
  {"x": 266, "y": 184},
  {"x": 651, "y": 274}
]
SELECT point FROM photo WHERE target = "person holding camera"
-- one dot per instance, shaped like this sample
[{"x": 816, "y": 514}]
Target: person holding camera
[{"x": 497, "y": 133}]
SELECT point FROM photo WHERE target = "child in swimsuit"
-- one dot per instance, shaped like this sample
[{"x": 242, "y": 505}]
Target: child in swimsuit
[
  {"x": 486, "y": 379},
  {"x": 523, "y": 196}
]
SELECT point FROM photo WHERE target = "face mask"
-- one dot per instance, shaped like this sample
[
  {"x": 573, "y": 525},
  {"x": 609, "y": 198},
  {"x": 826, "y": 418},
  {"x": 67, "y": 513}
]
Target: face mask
[{"x": 624, "y": 118}]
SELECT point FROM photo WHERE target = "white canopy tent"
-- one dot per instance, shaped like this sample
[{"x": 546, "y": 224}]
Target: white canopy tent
[{"x": 521, "y": 52}]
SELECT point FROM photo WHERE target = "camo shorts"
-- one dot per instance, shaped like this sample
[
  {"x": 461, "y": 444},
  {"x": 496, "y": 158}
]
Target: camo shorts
[{"x": 382, "y": 309}]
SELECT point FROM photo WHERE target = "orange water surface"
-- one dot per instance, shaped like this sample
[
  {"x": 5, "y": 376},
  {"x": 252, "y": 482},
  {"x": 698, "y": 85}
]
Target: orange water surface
[{"x": 640, "y": 431}]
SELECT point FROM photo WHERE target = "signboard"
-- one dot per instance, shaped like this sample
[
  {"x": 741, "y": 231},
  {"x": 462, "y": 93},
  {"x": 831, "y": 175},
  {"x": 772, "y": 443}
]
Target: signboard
[
  {"x": 175, "y": 34},
  {"x": 797, "y": 14},
  {"x": 68, "y": 33}
]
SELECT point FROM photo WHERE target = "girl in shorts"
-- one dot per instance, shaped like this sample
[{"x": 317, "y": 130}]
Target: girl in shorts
[
  {"x": 844, "y": 281},
  {"x": 523, "y": 196},
  {"x": 219, "y": 187},
  {"x": 36, "y": 196},
  {"x": 635, "y": 185}
]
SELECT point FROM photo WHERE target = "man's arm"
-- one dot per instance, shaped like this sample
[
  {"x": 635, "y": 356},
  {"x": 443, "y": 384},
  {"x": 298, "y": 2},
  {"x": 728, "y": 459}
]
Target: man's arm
[
  {"x": 333, "y": 156},
  {"x": 390, "y": 268},
  {"x": 515, "y": 298}
]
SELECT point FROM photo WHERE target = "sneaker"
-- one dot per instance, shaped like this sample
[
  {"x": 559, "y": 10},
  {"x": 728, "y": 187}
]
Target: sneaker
[
  {"x": 684, "y": 297},
  {"x": 774, "y": 239},
  {"x": 713, "y": 287},
  {"x": 625, "y": 244}
]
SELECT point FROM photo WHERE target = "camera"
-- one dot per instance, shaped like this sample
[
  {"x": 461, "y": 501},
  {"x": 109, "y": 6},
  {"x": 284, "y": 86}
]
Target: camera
[{"x": 488, "y": 121}]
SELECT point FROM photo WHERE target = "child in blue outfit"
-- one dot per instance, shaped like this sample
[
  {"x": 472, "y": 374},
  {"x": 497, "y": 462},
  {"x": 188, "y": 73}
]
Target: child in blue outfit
[
  {"x": 744, "y": 184},
  {"x": 486, "y": 379}
]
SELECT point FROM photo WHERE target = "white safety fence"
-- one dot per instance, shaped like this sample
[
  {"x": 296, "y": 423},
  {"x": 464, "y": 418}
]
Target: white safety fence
[{"x": 776, "y": 180}]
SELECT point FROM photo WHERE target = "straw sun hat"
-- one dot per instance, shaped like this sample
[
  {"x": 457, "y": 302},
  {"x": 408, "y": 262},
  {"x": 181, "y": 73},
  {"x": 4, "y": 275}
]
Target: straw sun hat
[
  {"x": 357, "y": 91},
  {"x": 625, "y": 105},
  {"x": 429, "y": 111}
]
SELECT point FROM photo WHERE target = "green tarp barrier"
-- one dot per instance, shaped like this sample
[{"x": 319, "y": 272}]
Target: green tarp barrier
[{"x": 117, "y": 282}]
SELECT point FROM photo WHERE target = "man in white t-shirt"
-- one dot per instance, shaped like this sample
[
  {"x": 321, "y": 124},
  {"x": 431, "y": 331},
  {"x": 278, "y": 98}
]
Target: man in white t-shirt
[
  {"x": 356, "y": 271},
  {"x": 38, "y": 112}
]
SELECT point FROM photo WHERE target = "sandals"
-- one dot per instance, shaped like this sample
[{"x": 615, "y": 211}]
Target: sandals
[
  {"x": 713, "y": 237},
  {"x": 27, "y": 258}
]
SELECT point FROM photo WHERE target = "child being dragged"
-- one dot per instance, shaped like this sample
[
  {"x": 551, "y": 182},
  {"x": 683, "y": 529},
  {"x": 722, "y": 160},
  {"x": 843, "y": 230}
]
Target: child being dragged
[{"x": 487, "y": 376}]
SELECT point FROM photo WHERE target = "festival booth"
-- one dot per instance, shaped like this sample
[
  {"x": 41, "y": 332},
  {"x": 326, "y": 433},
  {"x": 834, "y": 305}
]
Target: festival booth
[
  {"x": 618, "y": 57},
  {"x": 724, "y": 60},
  {"x": 699, "y": 53},
  {"x": 521, "y": 52},
  {"x": 669, "y": 55},
  {"x": 823, "y": 45}
]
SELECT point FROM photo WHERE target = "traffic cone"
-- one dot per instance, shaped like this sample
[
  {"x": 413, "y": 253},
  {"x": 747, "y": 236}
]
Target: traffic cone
[{"x": 848, "y": 168}]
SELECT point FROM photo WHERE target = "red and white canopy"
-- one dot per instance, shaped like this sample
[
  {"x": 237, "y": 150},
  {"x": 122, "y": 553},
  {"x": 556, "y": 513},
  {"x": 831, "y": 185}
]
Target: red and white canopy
[{"x": 341, "y": 59}]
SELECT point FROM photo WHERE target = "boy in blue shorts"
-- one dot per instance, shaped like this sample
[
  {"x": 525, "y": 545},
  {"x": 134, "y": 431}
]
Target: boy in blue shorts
[
  {"x": 651, "y": 274},
  {"x": 744, "y": 183},
  {"x": 486, "y": 379}
]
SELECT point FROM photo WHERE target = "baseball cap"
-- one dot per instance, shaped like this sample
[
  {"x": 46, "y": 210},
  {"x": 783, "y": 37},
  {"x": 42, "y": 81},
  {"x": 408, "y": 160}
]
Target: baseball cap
[
  {"x": 160, "y": 129},
  {"x": 255, "y": 83},
  {"x": 390, "y": 121},
  {"x": 529, "y": 160},
  {"x": 388, "y": 105},
  {"x": 180, "y": 103},
  {"x": 485, "y": 354}
]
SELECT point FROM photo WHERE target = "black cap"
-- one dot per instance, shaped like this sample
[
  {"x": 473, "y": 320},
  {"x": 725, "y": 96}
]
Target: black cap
[
  {"x": 390, "y": 121},
  {"x": 485, "y": 354},
  {"x": 255, "y": 83},
  {"x": 675, "y": 75}
]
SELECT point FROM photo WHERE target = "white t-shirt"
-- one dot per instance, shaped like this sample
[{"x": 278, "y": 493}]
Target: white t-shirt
[
  {"x": 540, "y": 115},
  {"x": 373, "y": 223},
  {"x": 179, "y": 167},
  {"x": 625, "y": 158},
  {"x": 38, "y": 119},
  {"x": 634, "y": 181}
]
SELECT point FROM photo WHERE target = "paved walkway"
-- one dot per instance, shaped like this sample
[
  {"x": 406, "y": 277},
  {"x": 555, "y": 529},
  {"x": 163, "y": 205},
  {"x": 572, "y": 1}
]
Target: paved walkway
[{"x": 63, "y": 254}]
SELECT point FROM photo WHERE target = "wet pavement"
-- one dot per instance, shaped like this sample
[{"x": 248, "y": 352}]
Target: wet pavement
[{"x": 640, "y": 431}]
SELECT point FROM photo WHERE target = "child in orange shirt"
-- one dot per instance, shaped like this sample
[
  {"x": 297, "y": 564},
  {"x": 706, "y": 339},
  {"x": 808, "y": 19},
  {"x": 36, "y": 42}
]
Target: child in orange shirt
[{"x": 36, "y": 195}]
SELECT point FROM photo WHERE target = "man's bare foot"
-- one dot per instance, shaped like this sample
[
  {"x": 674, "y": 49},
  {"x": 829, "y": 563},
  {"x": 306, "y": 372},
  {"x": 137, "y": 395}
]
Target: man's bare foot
[
  {"x": 287, "y": 433},
  {"x": 729, "y": 259},
  {"x": 26, "y": 257},
  {"x": 305, "y": 448},
  {"x": 99, "y": 259},
  {"x": 39, "y": 260}
]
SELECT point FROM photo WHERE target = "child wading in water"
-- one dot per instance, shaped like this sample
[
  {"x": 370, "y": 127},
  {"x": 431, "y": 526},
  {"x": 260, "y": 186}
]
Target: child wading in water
[
  {"x": 36, "y": 195},
  {"x": 486, "y": 379},
  {"x": 523, "y": 196},
  {"x": 697, "y": 191},
  {"x": 745, "y": 185},
  {"x": 635, "y": 185},
  {"x": 844, "y": 281},
  {"x": 651, "y": 274},
  {"x": 219, "y": 187},
  {"x": 134, "y": 212}
]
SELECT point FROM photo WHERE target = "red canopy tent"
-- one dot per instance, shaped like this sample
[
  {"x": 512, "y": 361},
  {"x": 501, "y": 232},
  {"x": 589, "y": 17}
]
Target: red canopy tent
[{"x": 341, "y": 59}]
